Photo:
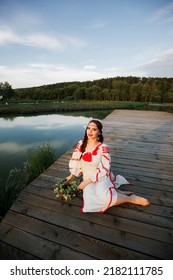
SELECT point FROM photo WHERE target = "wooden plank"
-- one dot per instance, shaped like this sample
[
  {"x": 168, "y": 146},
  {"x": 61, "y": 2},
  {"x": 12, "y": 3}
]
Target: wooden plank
[
  {"x": 141, "y": 177},
  {"x": 85, "y": 224},
  {"x": 136, "y": 227},
  {"x": 40, "y": 247},
  {"x": 9, "y": 252},
  {"x": 164, "y": 211},
  {"x": 122, "y": 210},
  {"x": 85, "y": 244},
  {"x": 144, "y": 165}
]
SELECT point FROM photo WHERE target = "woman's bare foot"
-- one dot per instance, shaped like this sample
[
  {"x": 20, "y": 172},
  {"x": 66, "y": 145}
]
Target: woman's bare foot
[
  {"x": 125, "y": 192},
  {"x": 139, "y": 200}
]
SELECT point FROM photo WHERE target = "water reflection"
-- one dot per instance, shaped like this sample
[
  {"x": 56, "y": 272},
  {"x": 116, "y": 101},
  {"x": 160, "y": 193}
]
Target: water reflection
[
  {"x": 21, "y": 134},
  {"x": 11, "y": 147},
  {"x": 42, "y": 122}
]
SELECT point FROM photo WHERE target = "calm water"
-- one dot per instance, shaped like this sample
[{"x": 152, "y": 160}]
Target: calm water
[{"x": 20, "y": 134}]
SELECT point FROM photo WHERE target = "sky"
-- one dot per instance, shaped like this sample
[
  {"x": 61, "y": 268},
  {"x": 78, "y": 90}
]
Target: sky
[{"x": 45, "y": 42}]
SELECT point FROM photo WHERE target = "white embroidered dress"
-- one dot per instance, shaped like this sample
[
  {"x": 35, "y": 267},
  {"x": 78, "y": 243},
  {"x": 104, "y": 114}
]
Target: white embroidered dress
[{"x": 101, "y": 194}]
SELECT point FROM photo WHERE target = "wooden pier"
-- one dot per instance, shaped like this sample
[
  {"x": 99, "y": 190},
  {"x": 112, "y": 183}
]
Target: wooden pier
[{"x": 38, "y": 226}]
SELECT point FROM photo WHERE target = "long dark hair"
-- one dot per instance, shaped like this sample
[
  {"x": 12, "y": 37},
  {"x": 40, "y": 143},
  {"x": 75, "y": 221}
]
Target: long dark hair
[{"x": 85, "y": 138}]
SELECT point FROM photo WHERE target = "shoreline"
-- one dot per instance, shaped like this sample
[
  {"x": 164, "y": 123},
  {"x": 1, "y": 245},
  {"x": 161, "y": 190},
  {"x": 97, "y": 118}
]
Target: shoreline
[{"x": 57, "y": 107}]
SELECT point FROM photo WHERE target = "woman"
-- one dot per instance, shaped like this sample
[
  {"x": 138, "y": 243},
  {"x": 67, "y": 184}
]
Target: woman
[{"x": 100, "y": 188}]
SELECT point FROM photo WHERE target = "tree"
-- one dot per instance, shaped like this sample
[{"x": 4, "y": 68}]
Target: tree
[
  {"x": 117, "y": 88},
  {"x": 153, "y": 91},
  {"x": 120, "y": 90},
  {"x": 70, "y": 90},
  {"x": 169, "y": 97},
  {"x": 92, "y": 92},
  {"x": 145, "y": 94},
  {"x": 106, "y": 94},
  {"x": 79, "y": 93},
  {"x": 135, "y": 91},
  {"x": 6, "y": 90}
]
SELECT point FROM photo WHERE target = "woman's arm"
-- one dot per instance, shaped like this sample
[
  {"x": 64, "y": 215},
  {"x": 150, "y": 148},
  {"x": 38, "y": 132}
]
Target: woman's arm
[{"x": 74, "y": 163}]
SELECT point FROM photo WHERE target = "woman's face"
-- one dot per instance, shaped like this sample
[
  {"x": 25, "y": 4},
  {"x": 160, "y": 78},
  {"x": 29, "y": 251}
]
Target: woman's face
[{"x": 92, "y": 131}]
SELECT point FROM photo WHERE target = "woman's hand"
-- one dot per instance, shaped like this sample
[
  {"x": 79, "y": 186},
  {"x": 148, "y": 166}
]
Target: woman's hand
[
  {"x": 84, "y": 183},
  {"x": 68, "y": 178}
]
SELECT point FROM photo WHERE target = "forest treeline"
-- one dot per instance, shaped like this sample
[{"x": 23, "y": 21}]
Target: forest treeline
[{"x": 114, "y": 89}]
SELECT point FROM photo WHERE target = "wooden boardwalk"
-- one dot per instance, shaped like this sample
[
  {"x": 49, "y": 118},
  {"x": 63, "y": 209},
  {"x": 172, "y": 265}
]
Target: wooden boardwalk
[{"x": 39, "y": 227}]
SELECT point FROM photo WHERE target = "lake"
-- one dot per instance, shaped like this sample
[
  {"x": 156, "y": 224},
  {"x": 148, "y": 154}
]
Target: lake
[{"x": 20, "y": 134}]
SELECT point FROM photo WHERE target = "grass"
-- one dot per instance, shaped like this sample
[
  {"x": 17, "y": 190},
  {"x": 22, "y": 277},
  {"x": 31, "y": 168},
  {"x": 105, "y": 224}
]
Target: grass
[
  {"x": 18, "y": 179},
  {"x": 58, "y": 107},
  {"x": 39, "y": 161}
]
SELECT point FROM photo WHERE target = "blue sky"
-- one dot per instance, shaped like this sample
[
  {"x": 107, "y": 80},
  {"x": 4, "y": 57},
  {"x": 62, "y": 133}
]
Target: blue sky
[{"x": 44, "y": 42}]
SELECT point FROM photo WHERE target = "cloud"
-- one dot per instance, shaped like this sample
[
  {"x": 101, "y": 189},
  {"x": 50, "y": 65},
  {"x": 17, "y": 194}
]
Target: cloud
[
  {"x": 11, "y": 147},
  {"x": 75, "y": 42},
  {"x": 39, "y": 74},
  {"x": 159, "y": 14},
  {"x": 7, "y": 36},
  {"x": 43, "y": 122},
  {"x": 160, "y": 66},
  {"x": 39, "y": 39},
  {"x": 111, "y": 69},
  {"x": 90, "y": 67}
]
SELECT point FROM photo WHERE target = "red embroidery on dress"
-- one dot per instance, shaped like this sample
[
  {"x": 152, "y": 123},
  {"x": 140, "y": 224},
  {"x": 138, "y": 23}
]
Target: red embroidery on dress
[
  {"x": 105, "y": 149},
  {"x": 107, "y": 170},
  {"x": 97, "y": 175},
  {"x": 106, "y": 157},
  {"x": 96, "y": 150},
  {"x": 87, "y": 157}
]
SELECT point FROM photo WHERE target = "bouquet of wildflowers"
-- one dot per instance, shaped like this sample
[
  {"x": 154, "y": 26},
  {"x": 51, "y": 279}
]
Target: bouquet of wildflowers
[{"x": 67, "y": 190}]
